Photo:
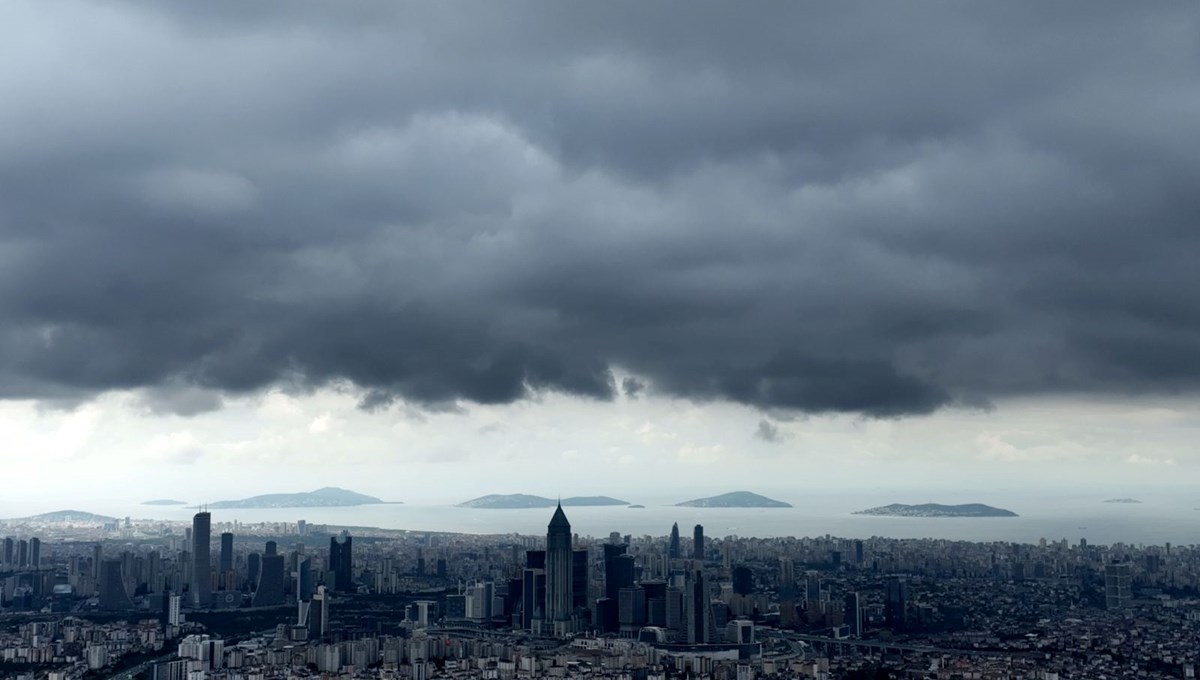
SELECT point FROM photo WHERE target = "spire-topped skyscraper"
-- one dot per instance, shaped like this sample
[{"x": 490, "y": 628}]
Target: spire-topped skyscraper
[
  {"x": 558, "y": 609},
  {"x": 673, "y": 552}
]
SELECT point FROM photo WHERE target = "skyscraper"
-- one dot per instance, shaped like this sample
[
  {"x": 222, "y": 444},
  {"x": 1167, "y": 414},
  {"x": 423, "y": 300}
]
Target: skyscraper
[
  {"x": 113, "y": 596},
  {"x": 201, "y": 559},
  {"x": 673, "y": 546},
  {"x": 318, "y": 615},
  {"x": 698, "y": 543},
  {"x": 253, "y": 566},
  {"x": 35, "y": 553},
  {"x": 8, "y": 550},
  {"x": 558, "y": 574},
  {"x": 226, "y": 554},
  {"x": 853, "y": 615},
  {"x": 270, "y": 582},
  {"x": 698, "y": 608},
  {"x": 896, "y": 605},
  {"x": 341, "y": 562},
  {"x": 1117, "y": 581}
]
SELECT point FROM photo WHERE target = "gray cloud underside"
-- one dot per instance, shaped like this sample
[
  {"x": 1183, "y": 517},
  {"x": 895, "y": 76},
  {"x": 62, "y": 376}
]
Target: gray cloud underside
[{"x": 854, "y": 207}]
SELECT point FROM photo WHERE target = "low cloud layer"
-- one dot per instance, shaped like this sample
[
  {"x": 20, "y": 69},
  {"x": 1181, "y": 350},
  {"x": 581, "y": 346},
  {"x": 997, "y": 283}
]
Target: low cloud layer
[{"x": 850, "y": 208}]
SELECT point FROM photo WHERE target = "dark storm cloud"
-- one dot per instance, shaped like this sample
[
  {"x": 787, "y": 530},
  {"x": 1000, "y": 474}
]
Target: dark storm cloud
[
  {"x": 768, "y": 432},
  {"x": 866, "y": 208}
]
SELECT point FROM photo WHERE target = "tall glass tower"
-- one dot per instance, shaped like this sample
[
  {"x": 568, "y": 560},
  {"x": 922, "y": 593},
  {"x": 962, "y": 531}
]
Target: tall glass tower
[{"x": 201, "y": 559}]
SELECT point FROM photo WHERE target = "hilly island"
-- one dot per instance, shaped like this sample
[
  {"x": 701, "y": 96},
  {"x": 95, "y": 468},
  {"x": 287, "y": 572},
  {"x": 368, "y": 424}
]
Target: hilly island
[
  {"x": 937, "y": 510},
  {"x": 517, "y": 501},
  {"x": 735, "y": 499},
  {"x": 326, "y": 497}
]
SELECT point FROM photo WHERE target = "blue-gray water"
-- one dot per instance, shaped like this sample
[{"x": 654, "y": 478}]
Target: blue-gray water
[{"x": 1161, "y": 519}]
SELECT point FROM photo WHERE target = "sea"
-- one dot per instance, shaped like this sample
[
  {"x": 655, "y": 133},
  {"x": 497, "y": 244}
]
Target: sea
[{"x": 1156, "y": 520}]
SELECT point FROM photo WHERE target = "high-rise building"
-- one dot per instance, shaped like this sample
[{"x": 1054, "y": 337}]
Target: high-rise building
[
  {"x": 113, "y": 596},
  {"x": 174, "y": 610},
  {"x": 858, "y": 552},
  {"x": 35, "y": 553},
  {"x": 896, "y": 606},
  {"x": 341, "y": 562},
  {"x": 8, "y": 550},
  {"x": 22, "y": 553},
  {"x": 673, "y": 552},
  {"x": 698, "y": 543},
  {"x": 271, "y": 549},
  {"x": 201, "y": 585},
  {"x": 559, "y": 560},
  {"x": 226, "y": 563},
  {"x": 579, "y": 579},
  {"x": 698, "y": 610},
  {"x": 253, "y": 567},
  {"x": 853, "y": 615},
  {"x": 270, "y": 582},
  {"x": 1117, "y": 585},
  {"x": 318, "y": 614},
  {"x": 614, "y": 580}
]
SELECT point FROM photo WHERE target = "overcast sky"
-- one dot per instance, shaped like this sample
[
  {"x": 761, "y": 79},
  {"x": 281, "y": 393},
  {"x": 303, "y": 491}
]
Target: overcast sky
[{"x": 428, "y": 251}]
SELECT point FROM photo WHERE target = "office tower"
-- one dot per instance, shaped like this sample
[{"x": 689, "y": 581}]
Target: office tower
[
  {"x": 853, "y": 615},
  {"x": 858, "y": 552},
  {"x": 97, "y": 551},
  {"x": 558, "y": 574},
  {"x": 301, "y": 528},
  {"x": 270, "y": 582},
  {"x": 271, "y": 549},
  {"x": 304, "y": 579},
  {"x": 533, "y": 597},
  {"x": 698, "y": 610},
  {"x": 201, "y": 560},
  {"x": 617, "y": 574},
  {"x": 673, "y": 552},
  {"x": 675, "y": 610},
  {"x": 896, "y": 606},
  {"x": 441, "y": 567},
  {"x": 226, "y": 562},
  {"x": 1117, "y": 581},
  {"x": 698, "y": 543},
  {"x": 318, "y": 614},
  {"x": 341, "y": 562},
  {"x": 421, "y": 562},
  {"x": 812, "y": 590},
  {"x": 8, "y": 550},
  {"x": 113, "y": 596},
  {"x": 253, "y": 565},
  {"x": 35, "y": 553},
  {"x": 579, "y": 579},
  {"x": 22, "y": 553},
  {"x": 743, "y": 580},
  {"x": 631, "y": 610}
]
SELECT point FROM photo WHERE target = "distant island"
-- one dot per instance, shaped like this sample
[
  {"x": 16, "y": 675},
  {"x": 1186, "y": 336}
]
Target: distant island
[
  {"x": 1122, "y": 500},
  {"x": 517, "y": 501},
  {"x": 735, "y": 499},
  {"x": 327, "y": 497},
  {"x": 636, "y": 506},
  {"x": 937, "y": 510},
  {"x": 164, "y": 501},
  {"x": 70, "y": 517}
]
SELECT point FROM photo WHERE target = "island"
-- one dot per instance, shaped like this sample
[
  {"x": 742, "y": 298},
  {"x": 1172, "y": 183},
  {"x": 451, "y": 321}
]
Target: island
[
  {"x": 164, "y": 501},
  {"x": 636, "y": 506},
  {"x": 937, "y": 510},
  {"x": 326, "y": 497},
  {"x": 517, "y": 501},
  {"x": 69, "y": 517},
  {"x": 1122, "y": 500},
  {"x": 735, "y": 499}
]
